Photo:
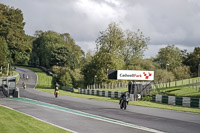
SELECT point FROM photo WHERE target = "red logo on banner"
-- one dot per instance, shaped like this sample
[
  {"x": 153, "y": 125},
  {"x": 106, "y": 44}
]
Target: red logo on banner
[{"x": 147, "y": 75}]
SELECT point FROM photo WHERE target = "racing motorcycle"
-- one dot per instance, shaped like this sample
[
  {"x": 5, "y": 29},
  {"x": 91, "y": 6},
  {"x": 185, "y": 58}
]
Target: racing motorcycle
[
  {"x": 124, "y": 102},
  {"x": 56, "y": 93}
]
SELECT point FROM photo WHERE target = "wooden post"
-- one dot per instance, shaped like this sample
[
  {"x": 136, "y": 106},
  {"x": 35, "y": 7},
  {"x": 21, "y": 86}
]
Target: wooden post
[
  {"x": 192, "y": 84},
  {"x": 189, "y": 83},
  {"x": 196, "y": 85}
]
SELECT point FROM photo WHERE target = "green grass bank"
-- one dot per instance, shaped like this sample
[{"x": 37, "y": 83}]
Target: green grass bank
[{"x": 15, "y": 122}]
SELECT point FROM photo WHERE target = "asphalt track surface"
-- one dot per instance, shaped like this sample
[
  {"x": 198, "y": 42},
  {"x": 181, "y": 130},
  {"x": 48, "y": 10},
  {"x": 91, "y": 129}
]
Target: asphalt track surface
[{"x": 89, "y": 116}]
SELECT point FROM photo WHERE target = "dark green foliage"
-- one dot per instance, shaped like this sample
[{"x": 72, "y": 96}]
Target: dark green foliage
[
  {"x": 147, "y": 98},
  {"x": 61, "y": 57},
  {"x": 181, "y": 72},
  {"x": 161, "y": 75},
  {"x": 115, "y": 50},
  {"x": 51, "y": 48},
  {"x": 193, "y": 60},
  {"x": 169, "y": 55},
  {"x": 43, "y": 47},
  {"x": 4, "y": 53},
  {"x": 12, "y": 30},
  {"x": 65, "y": 80},
  {"x": 59, "y": 53},
  {"x": 65, "y": 76}
]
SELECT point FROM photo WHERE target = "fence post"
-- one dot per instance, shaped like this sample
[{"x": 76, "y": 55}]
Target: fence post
[
  {"x": 196, "y": 85},
  {"x": 192, "y": 84},
  {"x": 189, "y": 83}
]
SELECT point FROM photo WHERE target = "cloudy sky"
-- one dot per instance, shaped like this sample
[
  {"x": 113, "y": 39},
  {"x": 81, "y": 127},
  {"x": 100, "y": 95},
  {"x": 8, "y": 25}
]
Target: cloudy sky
[{"x": 164, "y": 21}]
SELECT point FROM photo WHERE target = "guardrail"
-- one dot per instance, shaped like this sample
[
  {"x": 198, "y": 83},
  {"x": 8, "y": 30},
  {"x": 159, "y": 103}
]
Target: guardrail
[
  {"x": 41, "y": 67},
  {"x": 112, "y": 94},
  {"x": 174, "y": 100},
  {"x": 67, "y": 88}
]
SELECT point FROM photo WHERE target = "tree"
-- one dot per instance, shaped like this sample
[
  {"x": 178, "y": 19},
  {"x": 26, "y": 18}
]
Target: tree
[
  {"x": 181, "y": 72},
  {"x": 135, "y": 45},
  {"x": 193, "y": 60},
  {"x": 169, "y": 55},
  {"x": 65, "y": 80},
  {"x": 77, "y": 78},
  {"x": 108, "y": 56},
  {"x": 111, "y": 40},
  {"x": 115, "y": 50},
  {"x": 62, "y": 76},
  {"x": 51, "y": 48},
  {"x": 163, "y": 75},
  {"x": 89, "y": 71},
  {"x": 142, "y": 64},
  {"x": 76, "y": 51},
  {"x": 44, "y": 45},
  {"x": 12, "y": 30},
  {"x": 61, "y": 57},
  {"x": 4, "y": 54}
]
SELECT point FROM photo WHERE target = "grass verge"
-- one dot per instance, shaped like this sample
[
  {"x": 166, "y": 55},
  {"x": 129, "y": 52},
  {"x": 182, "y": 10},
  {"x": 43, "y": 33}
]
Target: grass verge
[
  {"x": 44, "y": 80},
  {"x": 14, "y": 122},
  {"x": 182, "y": 88},
  {"x": 42, "y": 87}
]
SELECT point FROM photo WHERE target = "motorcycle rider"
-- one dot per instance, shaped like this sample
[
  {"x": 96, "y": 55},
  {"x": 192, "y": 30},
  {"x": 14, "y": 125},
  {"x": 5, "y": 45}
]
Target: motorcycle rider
[
  {"x": 24, "y": 85},
  {"x": 123, "y": 95},
  {"x": 56, "y": 92}
]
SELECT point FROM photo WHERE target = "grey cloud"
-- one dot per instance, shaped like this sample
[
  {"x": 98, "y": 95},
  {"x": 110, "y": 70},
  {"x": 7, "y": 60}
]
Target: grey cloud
[
  {"x": 172, "y": 21},
  {"x": 165, "y": 22}
]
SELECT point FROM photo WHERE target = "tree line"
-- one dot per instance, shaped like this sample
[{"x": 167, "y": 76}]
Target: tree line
[{"x": 116, "y": 49}]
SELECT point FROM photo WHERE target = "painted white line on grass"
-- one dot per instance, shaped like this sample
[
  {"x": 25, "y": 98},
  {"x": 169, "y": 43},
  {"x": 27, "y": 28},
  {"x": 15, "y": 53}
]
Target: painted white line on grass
[{"x": 41, "y": 119}]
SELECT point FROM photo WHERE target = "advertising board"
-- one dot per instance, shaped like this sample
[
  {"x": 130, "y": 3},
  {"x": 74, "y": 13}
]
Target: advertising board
[{"x": 135, "y": 75}]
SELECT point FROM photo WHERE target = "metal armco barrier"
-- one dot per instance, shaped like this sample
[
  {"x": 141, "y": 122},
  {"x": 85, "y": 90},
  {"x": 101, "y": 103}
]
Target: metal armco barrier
[
  {"x": 181, "y": 101},
  {"x": 100, "y": 93},
  {"x": 113, "y": 94},
  {"x": 67, "y": 88}
]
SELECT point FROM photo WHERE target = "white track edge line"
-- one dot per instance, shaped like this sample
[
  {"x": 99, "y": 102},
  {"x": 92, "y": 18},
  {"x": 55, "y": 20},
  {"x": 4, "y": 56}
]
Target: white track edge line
[{"x": 116, "y": 121}]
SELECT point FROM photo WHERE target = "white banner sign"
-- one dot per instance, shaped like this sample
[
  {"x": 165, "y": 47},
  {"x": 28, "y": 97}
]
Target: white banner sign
[{"x": 135, "y": 75}]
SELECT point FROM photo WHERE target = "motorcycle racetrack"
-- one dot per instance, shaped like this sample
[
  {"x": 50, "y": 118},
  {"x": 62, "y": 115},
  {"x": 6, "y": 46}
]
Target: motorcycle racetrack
[{"x": 92, "y": 116}]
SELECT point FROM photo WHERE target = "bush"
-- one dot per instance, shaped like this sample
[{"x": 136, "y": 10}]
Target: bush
[{"x": 147, "y": 98}]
